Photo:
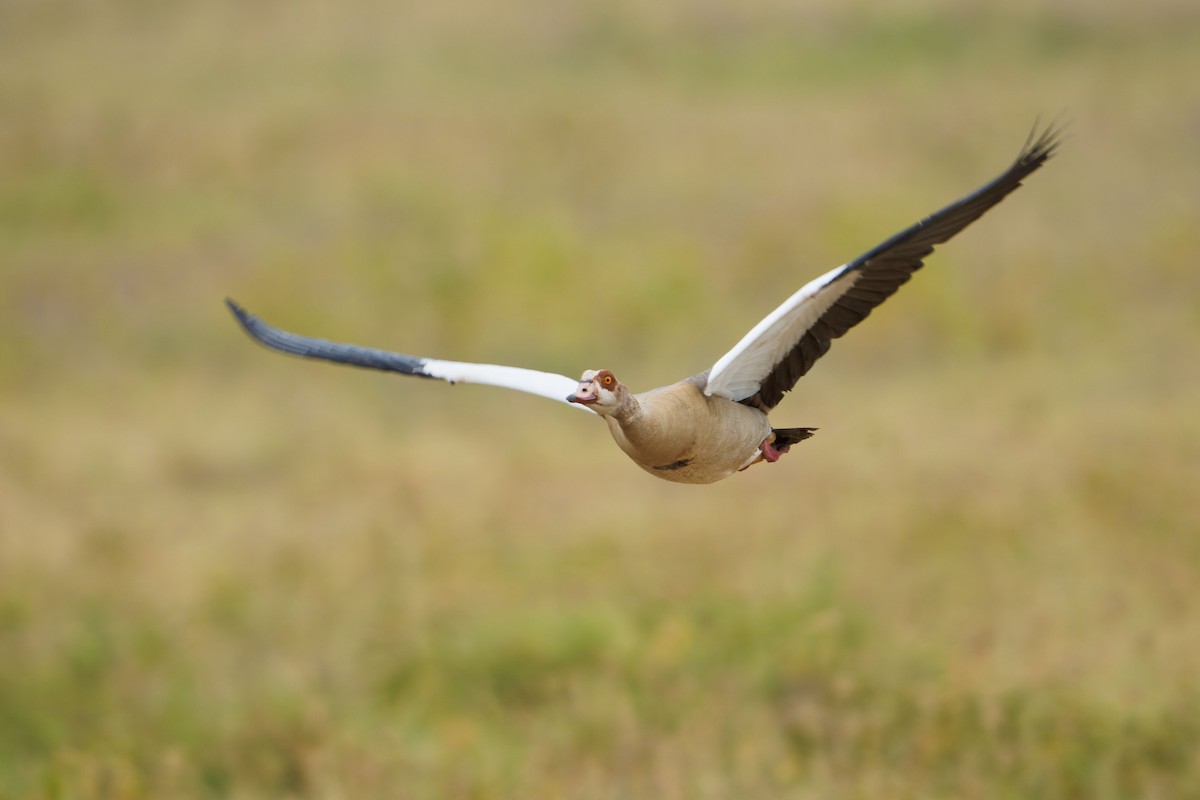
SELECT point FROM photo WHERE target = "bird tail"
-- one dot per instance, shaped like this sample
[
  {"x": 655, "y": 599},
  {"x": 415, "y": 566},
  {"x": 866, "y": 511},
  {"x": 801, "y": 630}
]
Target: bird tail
[{"x": 789, "y": 436}]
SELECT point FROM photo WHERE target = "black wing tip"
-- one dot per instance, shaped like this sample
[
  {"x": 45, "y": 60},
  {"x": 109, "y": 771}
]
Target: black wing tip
[
  {"x": 269, "y": 337},
  {"x": 238, "y": 312},
  {"x": 1041, "y": 146},
  {"x": 281, "y": 341},
  {"x": 248, "y": 322},
  {"x": 323, "y": 350}
]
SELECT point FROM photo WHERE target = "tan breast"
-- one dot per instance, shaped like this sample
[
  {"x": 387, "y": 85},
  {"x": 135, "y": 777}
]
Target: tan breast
[{"x": 681, "y": 435}]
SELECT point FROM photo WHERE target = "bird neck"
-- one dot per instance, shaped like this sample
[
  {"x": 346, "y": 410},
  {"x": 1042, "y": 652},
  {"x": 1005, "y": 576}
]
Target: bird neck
[{"x": 628, "y": 409}]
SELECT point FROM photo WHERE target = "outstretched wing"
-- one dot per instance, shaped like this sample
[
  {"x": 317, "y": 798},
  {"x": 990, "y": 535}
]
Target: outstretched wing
[
  {"x": 543, "y": 384},
  {"x": 769, "y": 360}
]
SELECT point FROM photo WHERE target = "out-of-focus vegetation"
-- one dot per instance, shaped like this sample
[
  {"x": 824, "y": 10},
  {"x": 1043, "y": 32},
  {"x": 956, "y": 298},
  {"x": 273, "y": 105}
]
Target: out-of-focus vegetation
[{"x": 225, "y": 573}]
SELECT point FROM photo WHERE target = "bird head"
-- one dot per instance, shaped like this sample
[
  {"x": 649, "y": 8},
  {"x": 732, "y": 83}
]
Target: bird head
[{"x": 600, "y": 391}]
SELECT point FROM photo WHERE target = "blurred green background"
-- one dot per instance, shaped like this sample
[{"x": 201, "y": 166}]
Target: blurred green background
[{"x": 225, "y": 573}]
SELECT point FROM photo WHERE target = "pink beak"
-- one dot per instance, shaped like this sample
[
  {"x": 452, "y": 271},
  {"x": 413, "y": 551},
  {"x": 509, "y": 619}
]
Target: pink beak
[{"x": 585, "y": 394}]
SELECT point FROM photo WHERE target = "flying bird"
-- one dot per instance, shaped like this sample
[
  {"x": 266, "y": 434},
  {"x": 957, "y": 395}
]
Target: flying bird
[{"x": 709, "y": 426}]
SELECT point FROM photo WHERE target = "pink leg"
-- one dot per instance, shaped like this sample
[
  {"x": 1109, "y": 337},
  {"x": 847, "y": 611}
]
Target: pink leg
[{"x": 771, "y": 453}]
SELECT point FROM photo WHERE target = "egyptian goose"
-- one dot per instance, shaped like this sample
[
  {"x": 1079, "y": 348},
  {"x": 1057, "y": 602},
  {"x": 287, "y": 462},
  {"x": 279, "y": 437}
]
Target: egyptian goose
[{"x": 709, "y": 426}]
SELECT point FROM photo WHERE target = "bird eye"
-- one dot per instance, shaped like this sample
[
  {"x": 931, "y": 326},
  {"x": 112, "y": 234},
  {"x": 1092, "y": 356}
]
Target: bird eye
[{"x": 608, "y": 380}]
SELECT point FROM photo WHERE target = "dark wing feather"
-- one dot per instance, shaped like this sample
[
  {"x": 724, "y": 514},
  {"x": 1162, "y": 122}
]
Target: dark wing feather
[{"x": 310, "y": 347}]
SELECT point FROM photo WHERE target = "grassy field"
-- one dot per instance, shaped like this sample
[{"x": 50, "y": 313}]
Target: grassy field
[{"x": 228, "y": 574}]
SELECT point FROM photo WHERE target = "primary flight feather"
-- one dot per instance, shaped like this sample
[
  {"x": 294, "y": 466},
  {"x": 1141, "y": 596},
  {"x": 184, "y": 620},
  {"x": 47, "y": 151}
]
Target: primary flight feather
[{"x": 707, "y": 427}]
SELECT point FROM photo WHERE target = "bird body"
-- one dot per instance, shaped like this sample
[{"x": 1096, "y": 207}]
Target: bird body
[
  {"x": 679, "y": 433},
  {"x": 707, "y": 427}
]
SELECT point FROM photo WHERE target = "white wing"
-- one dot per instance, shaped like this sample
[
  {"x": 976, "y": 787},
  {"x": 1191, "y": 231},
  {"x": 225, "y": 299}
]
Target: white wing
[
  {"x": 542, "y": 384},
  {"x": 739, "y": 373}
]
